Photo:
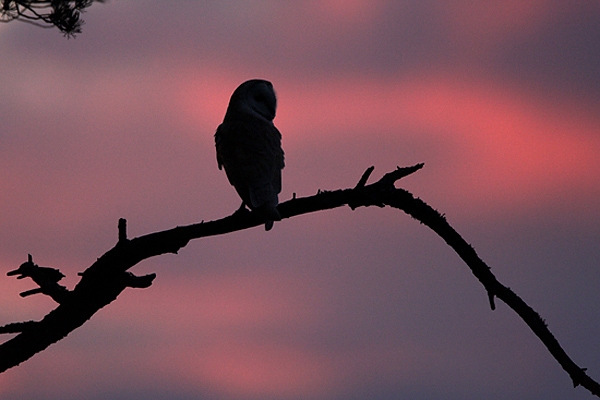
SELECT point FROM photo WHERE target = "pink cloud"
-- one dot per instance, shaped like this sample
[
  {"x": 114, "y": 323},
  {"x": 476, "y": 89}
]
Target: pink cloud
[
  {"x": 139, "y": 145},
  {"x": 476, "y": 25},
  {"x": 504, "y": 148},
  {"x": 208, "y": 334},
  {"x": 501, "y": 148},
  {"x": 258, "y": 370}
]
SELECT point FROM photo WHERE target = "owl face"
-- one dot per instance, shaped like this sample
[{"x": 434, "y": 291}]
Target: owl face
[{"x": 255, "y": 97}]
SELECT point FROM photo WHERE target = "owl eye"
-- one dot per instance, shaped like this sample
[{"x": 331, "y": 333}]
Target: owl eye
[{"x": 260, "y": 98}]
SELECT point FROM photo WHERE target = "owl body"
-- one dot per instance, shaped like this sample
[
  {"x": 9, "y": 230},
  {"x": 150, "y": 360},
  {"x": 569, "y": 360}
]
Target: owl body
[{"x": 249, "y": 148}]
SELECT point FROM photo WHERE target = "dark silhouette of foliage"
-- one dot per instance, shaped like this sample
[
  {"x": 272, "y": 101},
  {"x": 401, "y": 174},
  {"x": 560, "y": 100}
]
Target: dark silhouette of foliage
[
  {"x": 63, "y": 14},
  {"x": 102, "y": 282}
]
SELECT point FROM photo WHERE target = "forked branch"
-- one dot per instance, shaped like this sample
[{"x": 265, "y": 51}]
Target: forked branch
[{"x": 102, "y": 282}]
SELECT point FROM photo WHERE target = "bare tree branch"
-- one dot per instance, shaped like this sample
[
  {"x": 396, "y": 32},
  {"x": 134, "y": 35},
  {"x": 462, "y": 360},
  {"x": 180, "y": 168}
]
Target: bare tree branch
[{"x": 102, "y": 282}]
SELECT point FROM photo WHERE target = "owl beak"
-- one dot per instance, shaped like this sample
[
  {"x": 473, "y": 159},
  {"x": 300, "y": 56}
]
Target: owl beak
[
  {"x": 266, "y": 111},
  {"x": 271, "y": 112}
]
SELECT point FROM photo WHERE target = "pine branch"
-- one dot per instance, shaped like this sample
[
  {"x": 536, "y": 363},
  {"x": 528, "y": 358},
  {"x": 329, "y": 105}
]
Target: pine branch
[{"x": 62, "y": 14}]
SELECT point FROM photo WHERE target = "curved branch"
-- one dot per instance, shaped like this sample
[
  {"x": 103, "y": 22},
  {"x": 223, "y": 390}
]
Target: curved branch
[
  {"x": 102, "y": 282},
  {"x": 422, "y": 212}
]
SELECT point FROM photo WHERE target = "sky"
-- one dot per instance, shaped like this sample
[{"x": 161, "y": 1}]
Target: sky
[{"x": 500, "y": 100}]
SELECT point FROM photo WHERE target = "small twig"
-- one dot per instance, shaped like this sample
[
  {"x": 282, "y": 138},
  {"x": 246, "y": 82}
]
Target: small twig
[
  {"x": 17, "y": 327},
  {"x": 365, "y": 176},
  {"x": 45, "y": 277},
  {"x": 140, "y": 282},
  {"x": 122, "y": 230}
]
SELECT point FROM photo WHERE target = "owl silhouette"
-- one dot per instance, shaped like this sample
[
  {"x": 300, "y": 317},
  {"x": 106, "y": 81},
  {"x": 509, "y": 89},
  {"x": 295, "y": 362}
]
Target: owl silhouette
[{"x": 249, "y": 148}]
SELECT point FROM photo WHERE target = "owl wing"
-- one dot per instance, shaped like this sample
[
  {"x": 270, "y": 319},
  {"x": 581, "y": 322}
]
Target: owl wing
[{"x": 253, "y": 159}]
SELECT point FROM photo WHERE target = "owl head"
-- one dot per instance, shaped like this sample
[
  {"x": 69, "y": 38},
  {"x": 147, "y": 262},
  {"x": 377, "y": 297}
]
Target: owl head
[{"x": 255, "y": 97}]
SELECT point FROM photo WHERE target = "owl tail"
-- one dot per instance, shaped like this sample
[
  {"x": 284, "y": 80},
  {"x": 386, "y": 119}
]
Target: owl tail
[
  {"x": 270, "y": 213},
  {"x": 268, "y": 225}
]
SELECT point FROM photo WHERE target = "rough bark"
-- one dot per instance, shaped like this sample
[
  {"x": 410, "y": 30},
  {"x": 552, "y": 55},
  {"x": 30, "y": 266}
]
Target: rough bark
[{"x": 102, "y": 282}]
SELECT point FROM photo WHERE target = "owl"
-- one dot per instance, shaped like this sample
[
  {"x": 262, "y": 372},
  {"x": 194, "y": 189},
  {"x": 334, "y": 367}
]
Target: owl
[{"x": 249, "y": 148}]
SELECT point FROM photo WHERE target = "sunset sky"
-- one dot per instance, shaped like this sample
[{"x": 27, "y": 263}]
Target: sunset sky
[{"x": 500, "y": 100}]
